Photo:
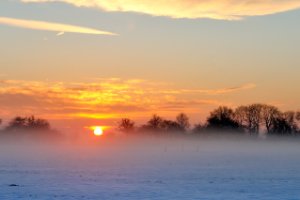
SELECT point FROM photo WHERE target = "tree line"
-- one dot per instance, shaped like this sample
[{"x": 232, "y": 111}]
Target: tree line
[
  {"x": 250, "y": 119},
  {"x": 27, "y": 123},
  {"x": 28, "y": 126}
]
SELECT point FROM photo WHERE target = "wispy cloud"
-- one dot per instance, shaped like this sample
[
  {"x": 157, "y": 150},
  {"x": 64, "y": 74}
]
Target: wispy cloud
[
  {"x": 213, "y": 91},
  {"x": 215, "y": 9},
  {"x": 60, "y": 33},
  {"x": 107, "y": 98},
  {"x": 49, "y": 26}
]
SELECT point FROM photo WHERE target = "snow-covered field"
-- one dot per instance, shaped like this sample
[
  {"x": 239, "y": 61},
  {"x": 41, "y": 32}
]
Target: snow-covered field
[{"x": 161, "y": 169}]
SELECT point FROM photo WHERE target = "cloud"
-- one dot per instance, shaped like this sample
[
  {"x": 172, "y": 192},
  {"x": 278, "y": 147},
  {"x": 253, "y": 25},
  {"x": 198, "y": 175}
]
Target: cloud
[
  {"x": 49, "y": 26},
  {"x": 105, "y": 98},
  {"x": 213, "y": 91},
  {"x": 60, "y": 33},
  {"x": 229, "y": 90},
  {"x": 215, "y": 9}
]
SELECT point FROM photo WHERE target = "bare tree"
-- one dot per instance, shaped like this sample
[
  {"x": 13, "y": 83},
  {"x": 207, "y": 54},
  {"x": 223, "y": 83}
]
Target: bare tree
[
  {"x": 28, "y": 123},
  {"x": 298, "y": 115},
  {"x": 154, "y": 124},
  {"x": 291, "y": 118},
  {"x": 33, "y": 123},
  {"x": 242, "y": 116},
  {"x": 183, "y": 121},
  {"x": 171, "y": 126},
  {"x": 249, "y": 117},
  {"x": 280, "y": 126},
  {"x": 126, "y": 125},
  {"x": 255, "y": 117},
  {"x": 222, "y": 119},
  {"x": 269, "y": 115}
]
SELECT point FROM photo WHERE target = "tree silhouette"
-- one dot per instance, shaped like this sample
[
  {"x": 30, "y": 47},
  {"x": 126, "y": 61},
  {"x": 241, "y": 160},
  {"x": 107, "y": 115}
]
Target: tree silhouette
[
  {"x": 249, "y": 117},
  {"x": 126, "y": 125},
  {"x": 171, "y": 126},
  {"x": 28, "y": 123},
  {"x": 17, "y": 123},
  {"x": 241, "y": 115},
  {"x": 222, "y": 119},
  {"x": 158, "y": 124},
  {"x": 291, "y": 118},
  {"x": 154, "y": 124},
  {"x": 298, "y": 115},
  {"x": 255, "y": 115},
  {"x": 183, "y": 121},
  {"x": 281, "y": 127},
  {"x": 270, "y": 116},
  {"x": 37, "y": 124}
]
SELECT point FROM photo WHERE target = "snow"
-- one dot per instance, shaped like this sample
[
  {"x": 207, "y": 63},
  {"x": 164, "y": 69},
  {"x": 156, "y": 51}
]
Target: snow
[{"x": 157, "y": 170}]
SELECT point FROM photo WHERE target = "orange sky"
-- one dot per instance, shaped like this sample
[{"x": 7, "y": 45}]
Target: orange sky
[
  {"x": 108, "y": 99},
  {"x": 86, "y": 63}
]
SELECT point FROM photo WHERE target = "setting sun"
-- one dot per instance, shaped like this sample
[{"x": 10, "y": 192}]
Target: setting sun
[
  {"x": 98, "y": 131},
  {"x": 104, "y": 95}
]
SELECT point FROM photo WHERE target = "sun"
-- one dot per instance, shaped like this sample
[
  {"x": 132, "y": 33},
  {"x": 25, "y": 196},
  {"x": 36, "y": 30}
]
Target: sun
[{"x": 98, "y": 130}]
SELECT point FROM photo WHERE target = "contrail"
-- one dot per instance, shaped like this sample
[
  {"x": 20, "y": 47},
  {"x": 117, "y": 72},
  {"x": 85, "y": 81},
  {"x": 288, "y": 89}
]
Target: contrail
[
  {"x": 49, "y": 26},
  {"x": 60, "y": 33}
]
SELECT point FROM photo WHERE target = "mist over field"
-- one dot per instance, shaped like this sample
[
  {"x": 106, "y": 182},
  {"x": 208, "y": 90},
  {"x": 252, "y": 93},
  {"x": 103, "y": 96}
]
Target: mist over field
[
  {"x": 151, "y": 168},
  {"x": 149, "y": 100}
]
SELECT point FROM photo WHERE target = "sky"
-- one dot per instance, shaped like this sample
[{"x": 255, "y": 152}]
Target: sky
[{"x": 80, "y": 63}]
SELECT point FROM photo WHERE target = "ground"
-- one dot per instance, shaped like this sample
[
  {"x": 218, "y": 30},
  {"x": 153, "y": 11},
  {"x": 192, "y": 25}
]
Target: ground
[{"x": 163, "y": 171}]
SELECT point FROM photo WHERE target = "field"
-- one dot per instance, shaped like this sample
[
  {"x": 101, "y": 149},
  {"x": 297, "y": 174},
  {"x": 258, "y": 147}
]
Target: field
[{"x": 157, "y": 169}]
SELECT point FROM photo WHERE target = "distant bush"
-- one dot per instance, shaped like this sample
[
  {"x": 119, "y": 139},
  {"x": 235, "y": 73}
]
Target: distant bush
[
  {"x": 30, "y": 128},
  {"x": 28, "y": 123}
]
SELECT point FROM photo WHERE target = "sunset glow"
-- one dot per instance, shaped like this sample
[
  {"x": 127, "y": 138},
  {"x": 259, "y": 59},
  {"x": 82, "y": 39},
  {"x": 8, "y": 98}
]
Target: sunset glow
[
  {"x": 99, "y": 97},
  {"x": 78, "y": 63},
  {"x": 97, "y": 130}
]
